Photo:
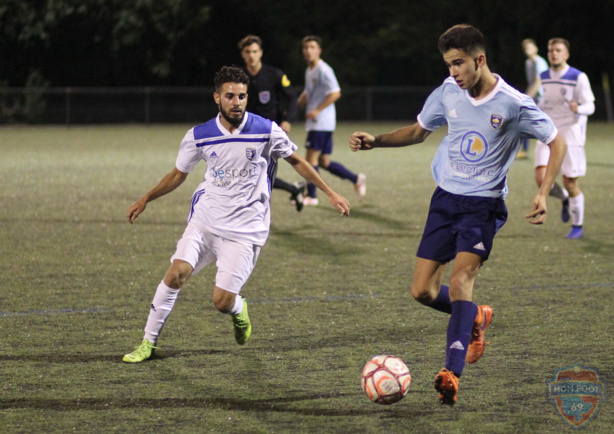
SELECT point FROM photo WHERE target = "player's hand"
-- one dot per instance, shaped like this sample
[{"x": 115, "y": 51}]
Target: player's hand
[
  {"x": 285, "y": 126},
  {"x": 573, "y": 106},
  {"x": 540, "y": 211},
  {"x": 360, "y": 141},
  {"x": 341, "y": 203},
  {"x": 135, "y": 210},
  {"x": 313, "y": 114}
]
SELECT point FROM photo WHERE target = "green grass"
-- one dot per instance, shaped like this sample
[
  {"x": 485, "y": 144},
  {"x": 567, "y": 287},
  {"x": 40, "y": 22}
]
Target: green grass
[{"x": 327, "y": 295}]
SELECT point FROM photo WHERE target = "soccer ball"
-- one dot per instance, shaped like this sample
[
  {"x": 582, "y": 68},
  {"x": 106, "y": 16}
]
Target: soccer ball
[{"x": 385, "y": 379}]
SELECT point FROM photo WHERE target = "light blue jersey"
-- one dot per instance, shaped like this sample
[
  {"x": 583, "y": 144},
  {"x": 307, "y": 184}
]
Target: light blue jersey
[
  {"x": 533, "y": 70},
  {"x": 483, "y": 137},
  {"x": 319, "y": 82}
]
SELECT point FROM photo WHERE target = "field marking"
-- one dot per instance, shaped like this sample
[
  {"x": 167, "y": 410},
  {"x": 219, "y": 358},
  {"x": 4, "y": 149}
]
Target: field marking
[
  {"x": 309, "y": 299},
  {"x": 54, "y": 312}
]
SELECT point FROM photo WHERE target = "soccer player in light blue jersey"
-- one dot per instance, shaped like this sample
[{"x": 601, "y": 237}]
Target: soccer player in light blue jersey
[
  {"x": 321, "y": 91},
  {"x": 230, "y": 211},
  {"x": 487, "y": 120}
]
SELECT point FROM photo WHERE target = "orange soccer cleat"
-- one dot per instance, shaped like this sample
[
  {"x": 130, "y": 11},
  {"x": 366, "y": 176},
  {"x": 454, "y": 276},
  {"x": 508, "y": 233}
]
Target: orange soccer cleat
[
  {"x": 476, "y": 344},
  {"x": 446, "y": 383}
]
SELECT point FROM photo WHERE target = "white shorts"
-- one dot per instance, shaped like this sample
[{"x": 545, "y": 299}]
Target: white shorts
[
  {"x": 235, "y": 261},
  {"x": 574, "y": 164}
]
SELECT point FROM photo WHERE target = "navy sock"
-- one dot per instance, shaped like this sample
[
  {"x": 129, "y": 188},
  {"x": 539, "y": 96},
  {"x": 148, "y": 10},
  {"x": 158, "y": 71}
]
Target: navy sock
[
  {"x": 442, "y": 302},
  {"x": 525, "y": 145},
  {"x": 311, "y": 188},
  {"x": 459, "y": 334},
  {"x": 342, "y": 172}
]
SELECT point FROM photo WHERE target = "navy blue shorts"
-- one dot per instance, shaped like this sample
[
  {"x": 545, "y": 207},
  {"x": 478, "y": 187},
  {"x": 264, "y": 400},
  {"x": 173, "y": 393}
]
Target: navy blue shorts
[
  {"x": 320, "y": 141},
  {"x": 458, "y": 223}
]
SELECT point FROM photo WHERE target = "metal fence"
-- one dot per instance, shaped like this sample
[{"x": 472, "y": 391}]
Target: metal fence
[{"x": 90, "y": 105}]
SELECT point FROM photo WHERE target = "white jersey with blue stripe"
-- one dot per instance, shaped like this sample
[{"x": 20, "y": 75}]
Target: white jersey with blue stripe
[
  {"x": 483, "y": 137},
  {"x": 560, "y": 88},
  {"x": 319, "y": 83},
  {"x": 233, "y": 200}
]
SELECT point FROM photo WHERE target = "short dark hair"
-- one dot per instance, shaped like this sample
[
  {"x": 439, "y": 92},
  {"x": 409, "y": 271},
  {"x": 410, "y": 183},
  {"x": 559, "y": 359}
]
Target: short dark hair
[
  {"x": 565, "y": 42},
  {"x": 249, "y": 40},
  {"x": 463, "y": 37},
  {"x": 230, "y": 74},
  {"x": 314, "y": 38}
]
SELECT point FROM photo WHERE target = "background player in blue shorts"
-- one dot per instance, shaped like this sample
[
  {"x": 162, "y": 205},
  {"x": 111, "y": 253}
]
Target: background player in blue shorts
[
  {"x": 487, "y": 120},
  {"x": 318, "y": 99}
]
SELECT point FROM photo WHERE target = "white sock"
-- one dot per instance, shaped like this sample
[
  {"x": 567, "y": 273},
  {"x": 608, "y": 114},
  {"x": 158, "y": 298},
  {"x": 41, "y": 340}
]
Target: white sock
[
  {"x": 238, "y": 307},
  {"x": 576, "y": 209},
  {"x": 161, "y": 308}
]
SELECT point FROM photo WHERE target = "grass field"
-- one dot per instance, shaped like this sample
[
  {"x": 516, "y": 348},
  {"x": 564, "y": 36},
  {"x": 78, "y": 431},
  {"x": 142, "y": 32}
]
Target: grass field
[{"x": 327, "y": 295}]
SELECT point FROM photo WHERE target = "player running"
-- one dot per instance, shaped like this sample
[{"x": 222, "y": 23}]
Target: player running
[
  {"x": 487, "y": 120},
  {"x": 230, "y": 211}
]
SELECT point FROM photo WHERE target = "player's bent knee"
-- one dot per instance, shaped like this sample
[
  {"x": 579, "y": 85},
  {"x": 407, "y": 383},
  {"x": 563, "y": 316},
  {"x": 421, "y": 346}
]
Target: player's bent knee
[
  {"x": 178, "y": 274},
  {"x": 422, "y": 295},
  {"x": 223, "y": 300}
]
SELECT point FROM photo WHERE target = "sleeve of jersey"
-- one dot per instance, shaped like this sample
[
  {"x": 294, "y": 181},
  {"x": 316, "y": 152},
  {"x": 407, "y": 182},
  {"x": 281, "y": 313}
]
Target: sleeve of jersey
[
  {"x": 332, "y": 85},
  {"x": 433, "y": 114},
  {"x": 189, "y": 154},
  {"x": 585, "y": 97},
  {"x": 290, "y": 113},
  {"x": 282, "y": 146},
  {"x": 536, "y": 124}
]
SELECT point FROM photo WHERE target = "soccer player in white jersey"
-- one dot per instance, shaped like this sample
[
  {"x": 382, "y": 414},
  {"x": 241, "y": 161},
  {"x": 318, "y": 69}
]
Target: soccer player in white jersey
[
  {"x": 230, "y": 211},
  {"x": 318, "y": 99},
  {"x": 568, "y": 100},
  {"x": 487, "y": 120}
]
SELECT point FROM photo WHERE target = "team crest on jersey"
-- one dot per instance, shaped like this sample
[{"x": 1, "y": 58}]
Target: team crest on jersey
[
  {"x": 474, "y": 146},
  {"x": 264, "y": 96},
  {"x": 496, "y": 121},
  {"x": 250, "y": 153}
]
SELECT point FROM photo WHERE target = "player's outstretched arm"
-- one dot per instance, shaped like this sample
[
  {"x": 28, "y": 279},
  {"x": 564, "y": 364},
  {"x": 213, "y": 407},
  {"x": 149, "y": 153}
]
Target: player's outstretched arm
[
  {"x": 307, "y": 171},
  {"x": 411, "y": 135},
  {"x": 558, "y": 149},
  {"x": 170, "y": 182}
]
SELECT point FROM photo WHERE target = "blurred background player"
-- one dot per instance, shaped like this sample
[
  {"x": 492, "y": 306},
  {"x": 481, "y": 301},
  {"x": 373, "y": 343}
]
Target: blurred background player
[
  {"x": 468, "y": 206},
  {"x": 534, "y": 65},
  {"x": 568, "y": 100},
  {"x": 318, "y": 99},
  {"x": 230, "y": 212},
  {"x": 271, "y": 96}
]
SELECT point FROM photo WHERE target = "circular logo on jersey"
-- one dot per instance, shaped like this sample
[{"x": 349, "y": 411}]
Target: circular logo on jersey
[{"x": 474, "y": 146}]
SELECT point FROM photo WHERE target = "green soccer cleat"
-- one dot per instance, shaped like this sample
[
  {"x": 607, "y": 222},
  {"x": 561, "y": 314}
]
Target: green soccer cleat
[
  {"x": 141, "y": 353},
  {"x": 242, "y": 324}
]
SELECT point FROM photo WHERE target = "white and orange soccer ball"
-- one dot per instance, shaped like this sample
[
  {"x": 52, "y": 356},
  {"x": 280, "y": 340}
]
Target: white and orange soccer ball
[{"x": 385, "y": 379}]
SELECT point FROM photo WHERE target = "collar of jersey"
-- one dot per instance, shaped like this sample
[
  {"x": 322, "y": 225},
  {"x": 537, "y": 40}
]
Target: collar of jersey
[
  {"x": 224, "y": 131},
  {"x": 491, "y": 95}
]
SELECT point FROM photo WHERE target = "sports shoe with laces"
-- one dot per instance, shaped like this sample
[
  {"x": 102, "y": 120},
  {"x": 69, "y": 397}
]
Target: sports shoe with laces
[
  {"x": 141, "y": 353},
  {"x": 575, "y": 233},
  {"x": 298, "y": 197},
  {"x": 242, "y": 324},
  {"x": 565, "y": 211},
  {"x": 361, "y": 186},
  {"x": 446, "y": 383},
  {"x": 476, "y": 344}
]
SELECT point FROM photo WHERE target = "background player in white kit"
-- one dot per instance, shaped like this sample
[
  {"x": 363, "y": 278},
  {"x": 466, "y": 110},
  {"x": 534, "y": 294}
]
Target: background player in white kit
[
  {"x": 230, "y": 210},
  {"x": 321, "y": 91},
  {"x": 568, "y": 100},
  {"x": 487, "y": 120}
]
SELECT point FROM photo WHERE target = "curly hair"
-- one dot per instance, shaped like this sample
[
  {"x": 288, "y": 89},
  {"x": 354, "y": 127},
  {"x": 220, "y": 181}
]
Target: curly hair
[
  {"x": 462, "y": 37},
  {"x": 230, "y": 74}
]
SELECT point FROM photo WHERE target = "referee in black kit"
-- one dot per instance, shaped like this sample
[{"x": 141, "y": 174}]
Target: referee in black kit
[{"x": 270, "y": 96}]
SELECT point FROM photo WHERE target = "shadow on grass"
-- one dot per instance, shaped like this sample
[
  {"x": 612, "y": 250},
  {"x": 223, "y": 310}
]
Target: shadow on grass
[
  {"x": 88, "y": 358},
  {"x": 276, "y": 405}
]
